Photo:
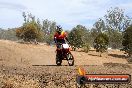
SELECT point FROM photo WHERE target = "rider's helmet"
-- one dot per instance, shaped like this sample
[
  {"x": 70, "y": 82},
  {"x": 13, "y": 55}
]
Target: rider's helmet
[{"x": 59, "y": 29}]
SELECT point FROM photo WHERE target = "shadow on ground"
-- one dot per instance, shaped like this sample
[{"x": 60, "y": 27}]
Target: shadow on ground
[
  {"x": 51, "y": 65},
  {"x": 116, "y": 65},
  {"x": 117, "y": 56},
  {"x": 93, "y": 55}
]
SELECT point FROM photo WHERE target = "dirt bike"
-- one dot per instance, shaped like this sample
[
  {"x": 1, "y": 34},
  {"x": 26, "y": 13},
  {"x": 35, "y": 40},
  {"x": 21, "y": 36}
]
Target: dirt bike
[{"x": 63, "y": 53}]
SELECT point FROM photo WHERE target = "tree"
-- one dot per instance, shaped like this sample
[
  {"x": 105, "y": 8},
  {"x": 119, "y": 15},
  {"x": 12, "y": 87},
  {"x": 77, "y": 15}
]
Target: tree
[
  {"x": 76, "y": 36},
  {"x": 115, "y": 39},
  {"x": 116, "y": 20},
  {"x": 31, "y": 30},
  {"x": 113, "y": 24},
  {"x": 94, "y": 33},
  {"x": 87, "y": 41},
  {"x": 127, "y": 41},
  {"x": 100, "y": 25},
  {"x": 8, "y": 34},
  {"x": 101, "y": 43},
  {"x": 48, "y": 28}
]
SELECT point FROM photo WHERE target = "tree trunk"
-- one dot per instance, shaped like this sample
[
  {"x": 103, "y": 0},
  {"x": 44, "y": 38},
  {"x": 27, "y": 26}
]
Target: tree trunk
[{"x": 100, "y": 54}]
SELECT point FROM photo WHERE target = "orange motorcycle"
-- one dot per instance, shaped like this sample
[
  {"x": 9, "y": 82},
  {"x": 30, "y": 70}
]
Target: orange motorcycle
[{"x": 63, "y": 53}]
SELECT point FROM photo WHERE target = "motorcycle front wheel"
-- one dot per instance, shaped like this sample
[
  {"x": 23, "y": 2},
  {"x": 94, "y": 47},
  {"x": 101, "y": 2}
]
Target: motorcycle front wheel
[{"x": 70, "y": 59}]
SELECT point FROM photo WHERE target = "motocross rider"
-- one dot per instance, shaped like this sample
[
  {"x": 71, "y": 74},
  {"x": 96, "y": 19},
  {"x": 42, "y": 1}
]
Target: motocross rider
[{"x": 60, "y": 36}]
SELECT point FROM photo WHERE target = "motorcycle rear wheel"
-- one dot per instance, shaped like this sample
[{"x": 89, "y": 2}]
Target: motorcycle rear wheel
[{"x": 58, "y": 60}]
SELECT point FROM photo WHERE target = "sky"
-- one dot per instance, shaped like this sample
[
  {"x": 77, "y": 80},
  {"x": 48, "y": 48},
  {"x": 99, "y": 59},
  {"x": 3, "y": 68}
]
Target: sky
[{"x": 67, "y": 13}]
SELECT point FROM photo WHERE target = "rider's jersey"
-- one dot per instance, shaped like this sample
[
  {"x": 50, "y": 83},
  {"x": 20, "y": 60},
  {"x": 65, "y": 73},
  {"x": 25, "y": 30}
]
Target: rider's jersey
[{"x": 60, "y": 36}]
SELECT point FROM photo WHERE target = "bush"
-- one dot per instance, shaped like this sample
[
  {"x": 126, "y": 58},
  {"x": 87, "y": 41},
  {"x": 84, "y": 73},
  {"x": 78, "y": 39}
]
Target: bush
[
  {"x": 127, "y": 41},
  {"x": 29, "y": 32},
  {"x": 9, "y": 34},
  {"x": 101, "y": 43},
  {"x": 86, "y": 47}
]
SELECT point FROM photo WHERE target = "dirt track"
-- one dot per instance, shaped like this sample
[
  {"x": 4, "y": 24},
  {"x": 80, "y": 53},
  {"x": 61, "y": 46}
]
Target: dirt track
[
  {"x": 45, "y": 55},
  {"x": 33, "y": 66}
]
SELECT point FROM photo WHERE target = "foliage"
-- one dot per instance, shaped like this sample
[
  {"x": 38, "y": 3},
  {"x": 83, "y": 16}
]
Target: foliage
[
  {"x": 127, "y": 41},
  {"x": 76, "y": 36},
  {"x": 86, "y": 47},
  {"x": 30, "y": 30},
  {"x": 116, "y": 20},
  {"x": 48, "y": 28},
  {"x": 113, "y": 23},
  {"x": 34, "y": 30},
  {"x": 93, "y": 34},
  {"x": 101, "y": 43},
  {"x": 8, "y": 34},
  {"x": 100, "y": 25},
  {"x": 115, "y": 39}
]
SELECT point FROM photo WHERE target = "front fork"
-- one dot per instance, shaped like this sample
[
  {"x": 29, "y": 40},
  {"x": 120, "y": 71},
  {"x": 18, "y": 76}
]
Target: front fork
[{"x": 69, "y": 56}]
